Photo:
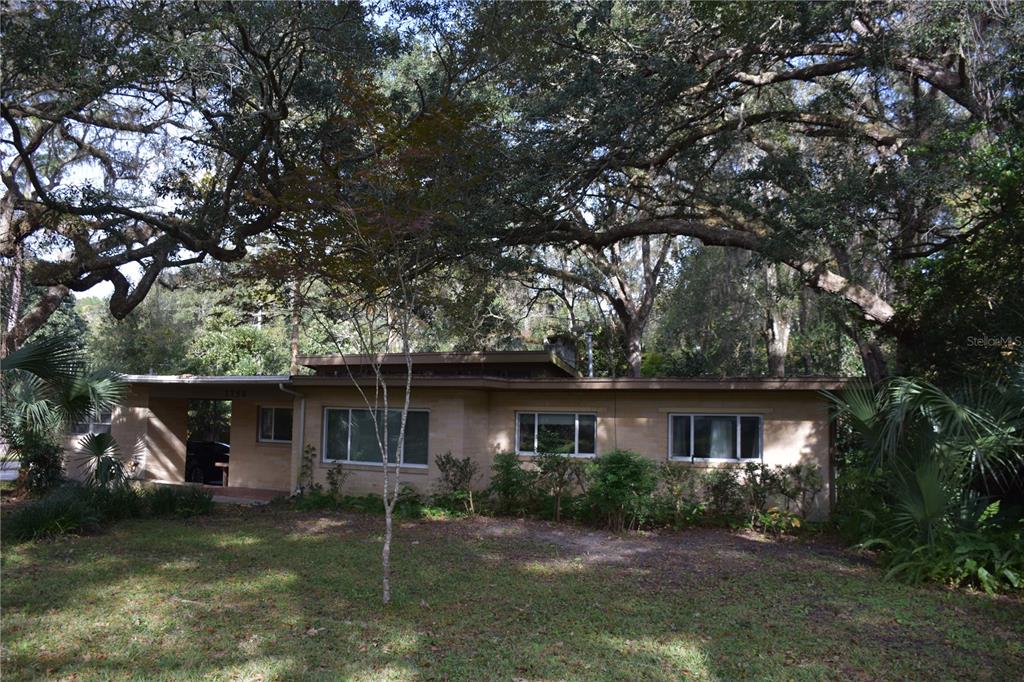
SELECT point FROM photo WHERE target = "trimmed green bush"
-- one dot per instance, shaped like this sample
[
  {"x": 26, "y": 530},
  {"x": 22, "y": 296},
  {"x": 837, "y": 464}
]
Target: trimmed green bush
[
  {"x": 512, "y": 486},
  {"x": 557, "y": 475},
  {"x": 621, "y": 484},
  {"x": 724, "y": 496}
]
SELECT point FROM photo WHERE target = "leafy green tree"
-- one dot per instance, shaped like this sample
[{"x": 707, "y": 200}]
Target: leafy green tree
[
  {"x": 237, "y": 350},
  {"x": 153, "y": 338},
  {"x": 815, "y": 135}
]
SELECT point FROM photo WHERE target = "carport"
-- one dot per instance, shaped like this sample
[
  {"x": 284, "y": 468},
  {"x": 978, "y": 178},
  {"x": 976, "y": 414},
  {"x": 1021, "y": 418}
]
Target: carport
[{"x": 152, "y": 426}]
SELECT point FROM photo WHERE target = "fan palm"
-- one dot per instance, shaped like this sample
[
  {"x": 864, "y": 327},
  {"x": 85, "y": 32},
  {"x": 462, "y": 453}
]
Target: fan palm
[
  {"x": 46, "y": 387},
  {"x": 100, "y": 457},
  {"x": 937, "y": 447}
]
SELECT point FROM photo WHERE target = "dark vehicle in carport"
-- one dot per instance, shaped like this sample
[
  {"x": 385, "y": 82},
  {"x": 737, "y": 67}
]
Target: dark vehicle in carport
[{"x": 202, "y": 459}]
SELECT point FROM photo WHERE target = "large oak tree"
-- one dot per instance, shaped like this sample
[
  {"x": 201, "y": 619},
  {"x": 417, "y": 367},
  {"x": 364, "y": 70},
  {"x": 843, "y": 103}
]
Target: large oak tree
[
  {"x": 138, "y": 137},
  {"x": 834, "y": 139}
]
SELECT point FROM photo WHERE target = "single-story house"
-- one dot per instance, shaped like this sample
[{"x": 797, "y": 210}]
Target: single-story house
[{"x": 470, "y": 405}]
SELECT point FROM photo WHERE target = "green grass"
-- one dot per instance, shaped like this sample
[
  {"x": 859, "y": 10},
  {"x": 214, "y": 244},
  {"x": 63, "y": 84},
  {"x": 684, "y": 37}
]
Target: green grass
[{"x": 271, "y": 594}]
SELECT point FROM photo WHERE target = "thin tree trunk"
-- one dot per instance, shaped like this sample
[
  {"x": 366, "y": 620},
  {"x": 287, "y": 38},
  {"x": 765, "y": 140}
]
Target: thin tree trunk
[
  {"x": 14, "y": 310},
  {"x": 293, "y": 367},
  {"x": 875, "y": 365},
  {"x": 31, "y": 321},
  {"x": 385, "y": 554},
  {"x": 873, "y": 358},
  {"x": 778, "y": 345},
  {"x": 778, "y": 323}
]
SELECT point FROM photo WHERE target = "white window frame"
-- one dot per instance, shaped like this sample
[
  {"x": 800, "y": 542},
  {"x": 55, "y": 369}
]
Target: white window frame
[
  {"x": 94, "y": 424},
  {"x": 273, "y": 423},
  {"x": 734, "y": 460},
  {"x": 576, "y": 433},
  {"x": 324, "y": 459}
]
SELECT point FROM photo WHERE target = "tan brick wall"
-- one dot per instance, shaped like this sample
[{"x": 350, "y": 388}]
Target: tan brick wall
[
  {"x": 166, "y": 434},
  {"x": 256, "y": 464},
  {"x": 479, "y": 424},
  {"x": 128, "y": 426},
  {"x": 475, "y": 423},
  {"x": 458, "y": 424}
]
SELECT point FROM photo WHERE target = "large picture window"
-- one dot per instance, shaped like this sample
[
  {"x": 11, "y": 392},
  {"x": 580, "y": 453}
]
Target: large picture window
[
  {"x": 568, "y": 433},
  {"x": 275, "y": 425},
  {"x": 726, "y": 437},
  {"x": 349, "y": 436}
]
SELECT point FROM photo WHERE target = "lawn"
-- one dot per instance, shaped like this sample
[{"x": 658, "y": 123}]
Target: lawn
[{"x": 267, "y": 594}]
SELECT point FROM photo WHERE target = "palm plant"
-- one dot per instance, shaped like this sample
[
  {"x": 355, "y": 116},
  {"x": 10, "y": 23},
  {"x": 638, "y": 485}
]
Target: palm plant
[
  {"x": 100, "y": 457},
  {"x": 46, "y": 387},
  {"x": 947, "y": 463}
]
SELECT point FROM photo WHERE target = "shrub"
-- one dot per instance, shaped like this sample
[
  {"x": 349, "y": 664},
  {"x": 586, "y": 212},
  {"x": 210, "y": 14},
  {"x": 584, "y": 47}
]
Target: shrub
[
  {"x": 42, "y": 462},
  {"x": 775, "y": 521},
  {"x": 315, "y": 499},
  {"x": 67, "y": 509},
  {"x": 161, "y": 500},
  {"x": 800, "y": 485},
  {"x": 193, "y": 501},
  {"x": 677, "y": 503},
  {"x": 455, "y": 490},
  {"x": 914, "y": 483},
  {"x": 759, "y": 484},
  {"x": 409, "y": 504},
  {"x": 364, "y": 503},
  {"x": 182, "y": 501},
  {"x": 118, "y": 502},
  {"x": 989, "y": 559},
  {"x": 336, "y": 477},
  {"x": 724, "y": 495},
  {"x": 74, "y": 507},
  {"x": 557, "y": 474},
  {"x": 100, "y": 456},
  {"x": 512, "y": 485},
  {"x": 861, "y": 499},
  {"x": 306, "y": 468},
  {"x": 621, "y": 483}
]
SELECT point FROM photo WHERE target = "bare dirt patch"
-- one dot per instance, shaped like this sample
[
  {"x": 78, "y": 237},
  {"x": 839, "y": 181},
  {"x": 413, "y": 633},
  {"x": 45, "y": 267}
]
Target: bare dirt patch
[{"x": 707, "y": 552}]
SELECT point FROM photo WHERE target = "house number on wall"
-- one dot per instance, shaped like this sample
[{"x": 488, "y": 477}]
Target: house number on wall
[{"x": 234, "y": 393}]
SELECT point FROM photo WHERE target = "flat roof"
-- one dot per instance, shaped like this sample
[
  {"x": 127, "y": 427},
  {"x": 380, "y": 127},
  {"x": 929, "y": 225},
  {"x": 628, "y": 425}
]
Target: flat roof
[
  {"x": 205, "y": 379},
  {"x": 511, "y": 357},
  {"x": 545, "y": 384},
  {"x": 602, "y": 383}
]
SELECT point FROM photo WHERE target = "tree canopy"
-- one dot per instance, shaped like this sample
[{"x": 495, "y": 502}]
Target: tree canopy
[{"x": 833, "y": 171}]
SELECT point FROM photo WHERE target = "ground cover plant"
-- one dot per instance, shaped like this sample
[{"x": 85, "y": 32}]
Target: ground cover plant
[
  {"x": 78, "y": 508},
  {"x": 272, "y": 594}
]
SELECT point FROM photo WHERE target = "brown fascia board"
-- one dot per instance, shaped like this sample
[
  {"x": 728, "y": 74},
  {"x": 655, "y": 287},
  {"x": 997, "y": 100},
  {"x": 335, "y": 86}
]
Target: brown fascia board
[
  {"x": 477, "y": 358},
  {"x": 600, "y": 384}
]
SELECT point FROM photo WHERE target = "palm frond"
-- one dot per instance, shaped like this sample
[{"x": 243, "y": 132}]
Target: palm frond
[
  {"x": 85, "y": 395},
  {"x": 100, "y": 456},
  {"x": 56, "y": 358}
]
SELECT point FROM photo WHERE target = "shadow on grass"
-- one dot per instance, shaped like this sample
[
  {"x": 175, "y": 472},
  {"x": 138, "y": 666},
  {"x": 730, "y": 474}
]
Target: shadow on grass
[{"x": 296, "y": 596}]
